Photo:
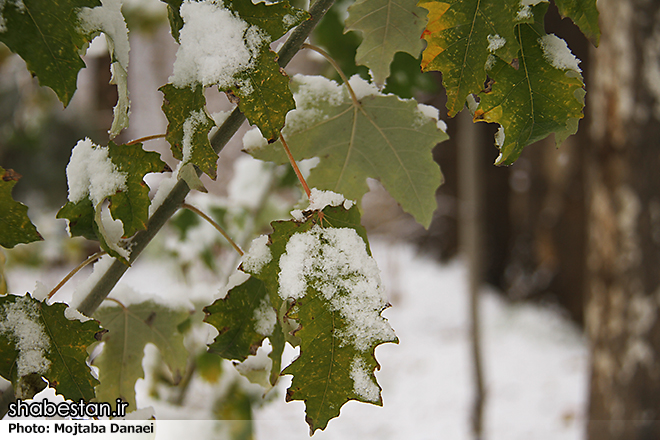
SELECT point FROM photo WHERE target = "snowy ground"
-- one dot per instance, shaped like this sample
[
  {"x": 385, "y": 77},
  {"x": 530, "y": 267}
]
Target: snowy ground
[{"x": 536, "y": 363}]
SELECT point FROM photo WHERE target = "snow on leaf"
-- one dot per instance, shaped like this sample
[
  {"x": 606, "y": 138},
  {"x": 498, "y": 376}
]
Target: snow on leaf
[
  {"x": 457, "y": 37},
  {"x": 37, "y": 340},
  {"x": 584, "y": 13},
  {"x": 15, "y": 225},
  {"x": 228, "y": 44},
  {"x": 129, "y": 330},
  {"x": 46, "y": 35},
  {"x": 108, "y": 19},
  {"x": 382, "y": 137},
  {"x": 336, "y": 305},
  {"x": 327, "y": 269},
  {"x": 536, "y": 99},
  {"x": 115, "y": 172},
  {"x": 188, "y": 128},
  {"x": 388, "y": 27},
  {"x": 234, "y": 317}
]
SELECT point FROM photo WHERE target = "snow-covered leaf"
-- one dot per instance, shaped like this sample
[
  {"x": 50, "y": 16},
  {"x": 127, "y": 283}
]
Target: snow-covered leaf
[
  {"x": 382, "y": 137},
  {"x": 109, "y": 19},
  {"x": 228, "y": 45},
  {"x": 388, "y": 27},
  {"x": 461, "y": 34},
  {"x": 188, "y": 127},
  {"x": 37, "y": 340},
  {"x": 15, "y": 225},
  {"x": 320, "y": 273},
  {"x": 129, "y": 330},
  {"x": 543, "y": 95},
  {"x": 327, "y": 270},
  {"x": 46, "y": 34},
  {"x": 584, "y": 13},
  {"x": 115, "y": 172}
]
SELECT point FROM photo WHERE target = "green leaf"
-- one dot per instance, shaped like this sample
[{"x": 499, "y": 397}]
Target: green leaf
[
  {"x": 132, "y": 205},
  {"x": 329, "y": 34},
  {"x": 236, "y": 316},
  {"x": 382, "y": 137},
  {"x": 325, "y": 267},
  {"x": 47, "y": 36},
  {"x": 584, "y": 13},
  {"x": 388, "y": 26},
  {"x": 188, "y": 127},
  {"x": 15, "y": 225},
  {"x": 250, "y": 72},
  {"x": 459, "y": 35},
  {"x": 128, "y": 203},
  {"x": 37, "y": 340},
  {"x": 264, "y": 96},
  {"x": 81, "y": 218},
  {"x": 129, "y": 330},
  {"x": 543, "y": 95}
]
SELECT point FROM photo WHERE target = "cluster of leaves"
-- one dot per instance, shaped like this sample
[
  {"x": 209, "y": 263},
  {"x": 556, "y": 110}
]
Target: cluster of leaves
[{"x": 491, "y": 53}]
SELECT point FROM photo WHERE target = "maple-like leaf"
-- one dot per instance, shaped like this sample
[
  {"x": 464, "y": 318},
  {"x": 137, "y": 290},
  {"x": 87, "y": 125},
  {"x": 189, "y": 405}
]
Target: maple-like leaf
[
  {"x": 583, "y": 13},
  {"x": 15, "y": 225},
  {"x": 47, "y": 36},
  {"x": 461, "y": 34},
  {"x": 388, "y": 27},
  {"x": 188, "y": 127},
  {"x": 543, "y": 95},
  {"x": 128, "y": 203},
  {"x": 129, "y": 330},
  {"x": 325, "y": 267},
  {"x": 235, "y": 38},
  {"x": 379, "y": 136},
  {"x": 37, "y": 340}
]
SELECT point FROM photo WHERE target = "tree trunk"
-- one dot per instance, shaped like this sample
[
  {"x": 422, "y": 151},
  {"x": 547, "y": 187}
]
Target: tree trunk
[{"x": 623, "y": 188}]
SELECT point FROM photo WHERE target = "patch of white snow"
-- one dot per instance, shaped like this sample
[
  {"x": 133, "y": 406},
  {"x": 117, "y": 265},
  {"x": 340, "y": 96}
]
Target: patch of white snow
[
  {"x": 557, "y": 53},
  {"x": 90, "y": 172}
]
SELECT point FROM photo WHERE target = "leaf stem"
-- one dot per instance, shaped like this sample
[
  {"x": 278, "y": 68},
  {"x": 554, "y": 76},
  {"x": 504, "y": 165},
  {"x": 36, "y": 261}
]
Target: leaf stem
[
  {"x": 215, "y": 225},
  {"x": 146, "y": 138},
  {"x": 337, "y": 68},
  {"x": 91, "y": 259},
  {"x": 301, "y": 178}
]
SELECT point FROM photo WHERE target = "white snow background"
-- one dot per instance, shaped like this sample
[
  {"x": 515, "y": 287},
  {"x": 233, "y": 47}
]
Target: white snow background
[{"x": 536, "y": 362}]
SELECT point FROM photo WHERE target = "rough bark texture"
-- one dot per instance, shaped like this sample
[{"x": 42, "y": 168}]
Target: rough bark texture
[{"x": 623, "y": 260}]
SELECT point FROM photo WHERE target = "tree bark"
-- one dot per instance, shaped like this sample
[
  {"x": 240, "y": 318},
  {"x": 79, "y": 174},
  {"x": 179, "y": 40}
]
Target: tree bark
[{"x": 623, "y": 189}]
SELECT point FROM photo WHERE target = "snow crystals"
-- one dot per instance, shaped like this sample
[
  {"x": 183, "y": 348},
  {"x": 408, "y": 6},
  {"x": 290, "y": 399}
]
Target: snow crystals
[
  {"x": 495, "y": 42},
  {"x": 320, "y": 199},
  {"x": 334, "y": 262},
  {"x": 21, "y": 325},
  {"x": 363, "y": 385},
  {"x": 264, "y": 318},
  {"x": 557, "y": 53},
  {"x": 216, "y": 46},
  {"x": 91, "y": 173},
  {"x": 258, "y": 256}
]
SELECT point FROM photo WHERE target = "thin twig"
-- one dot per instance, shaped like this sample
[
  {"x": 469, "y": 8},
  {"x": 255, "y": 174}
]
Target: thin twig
[
  {"x": 107, "y": 298},
  {"x": 146, "y": 138},
  {"x": 295, "y": 167},
  {"x": 215, "y": 225},
  {"x": 337, "y": 68},
  {"x": 70, "y": 275}
]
